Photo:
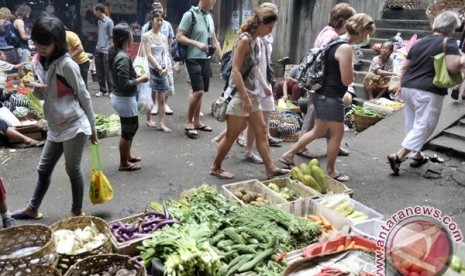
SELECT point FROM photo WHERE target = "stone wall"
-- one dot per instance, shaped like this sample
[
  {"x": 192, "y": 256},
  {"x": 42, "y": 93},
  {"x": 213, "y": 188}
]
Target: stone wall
[{"x": 301, "y": 20}]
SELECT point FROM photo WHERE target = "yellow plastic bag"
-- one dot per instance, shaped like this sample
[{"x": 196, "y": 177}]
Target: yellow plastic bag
[{"x": 100, "y": 190}]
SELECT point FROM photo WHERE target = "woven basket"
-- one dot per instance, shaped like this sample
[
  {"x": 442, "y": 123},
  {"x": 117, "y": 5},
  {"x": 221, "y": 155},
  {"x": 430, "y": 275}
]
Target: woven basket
[
  {"x": 41, "y": 270},
  {"x": 64, "y": 260},
  {"x": 364, "y": 122},
  {"x": 438, "y": 6},
  {"x": 101, "y": 263},
  {"x": 25, "y": 237}
]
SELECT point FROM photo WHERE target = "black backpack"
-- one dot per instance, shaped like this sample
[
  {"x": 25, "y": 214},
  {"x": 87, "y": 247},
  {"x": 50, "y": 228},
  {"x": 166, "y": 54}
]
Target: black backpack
[
  {"x": 226, "y": 67},
  {"x": 312, "y": 68},
  {"x": 178, "y": 50},
  {"x": 11, "y": 37}
]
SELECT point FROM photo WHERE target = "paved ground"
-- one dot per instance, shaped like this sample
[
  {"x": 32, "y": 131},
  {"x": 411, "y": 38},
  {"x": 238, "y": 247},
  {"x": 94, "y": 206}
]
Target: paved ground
[{"x": 173, "y": 162}]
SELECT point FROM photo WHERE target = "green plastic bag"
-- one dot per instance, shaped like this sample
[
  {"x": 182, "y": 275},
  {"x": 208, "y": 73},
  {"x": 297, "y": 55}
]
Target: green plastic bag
[
  {"x": 444, "y": 79},
  {"x": 100, "y": 190}
]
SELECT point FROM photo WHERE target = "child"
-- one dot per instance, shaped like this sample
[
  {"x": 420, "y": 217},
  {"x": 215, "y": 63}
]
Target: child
[{"x": 6, "y": 217}]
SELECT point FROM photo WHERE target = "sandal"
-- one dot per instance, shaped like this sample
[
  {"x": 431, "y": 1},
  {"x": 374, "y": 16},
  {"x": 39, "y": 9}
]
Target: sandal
[
  {"x": 289, "y": 164},
  {"x": 418, "y": 162},
  {"x": 278, "y": 172},
  {"x": 135, "y": 159},
  {"x": 222, "y": 174},
  {"x": 307, "y": 154},
  {"x": 164, "y": 129},
  {"x": 35, "y": 144},
  {"x": 274, "y": 142},
  {"x": 191, "y": 133},
  {"x": 133, "y": 167},
  {"x": 204, "y": 128},
  {"x": 151, "y": 124},
  {"x": 240, "y": 142},
  {"x": 340, "y": 177},
  {"x": 394, "y": 162}
]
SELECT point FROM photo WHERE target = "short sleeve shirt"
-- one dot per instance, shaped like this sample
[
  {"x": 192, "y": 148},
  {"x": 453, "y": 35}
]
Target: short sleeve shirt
[
  {"x": 105, "y": 32},
  {"x": 73, "y": 42},
  {"x": 203, "y": 29},
  {"x": 420, "y": 73}
]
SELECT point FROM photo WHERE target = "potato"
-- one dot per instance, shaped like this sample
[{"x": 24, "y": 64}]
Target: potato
[
  {"x": 247, "y": 198},
  {"x": 260, "y": 199},
  {"x": 238, "y": 194}
]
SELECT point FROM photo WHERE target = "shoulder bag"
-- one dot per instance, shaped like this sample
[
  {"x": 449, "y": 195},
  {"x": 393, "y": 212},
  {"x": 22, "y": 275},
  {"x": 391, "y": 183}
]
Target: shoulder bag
[{"x": 443, "y": 78}]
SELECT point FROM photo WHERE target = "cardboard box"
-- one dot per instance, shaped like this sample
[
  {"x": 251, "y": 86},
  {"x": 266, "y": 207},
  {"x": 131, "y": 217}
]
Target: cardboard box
[{"x": 252, "y": 185}]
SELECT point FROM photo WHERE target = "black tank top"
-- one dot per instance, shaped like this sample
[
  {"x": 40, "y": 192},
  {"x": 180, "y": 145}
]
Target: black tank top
[{"x": 333, "y": 87}]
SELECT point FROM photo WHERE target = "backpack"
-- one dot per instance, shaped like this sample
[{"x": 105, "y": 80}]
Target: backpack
[
  {"x": 11, "y": 36},
  {"x": 179, "y": 51},
  {"x": 312, "y": 68},
  {"x": 226, "y": 67}
]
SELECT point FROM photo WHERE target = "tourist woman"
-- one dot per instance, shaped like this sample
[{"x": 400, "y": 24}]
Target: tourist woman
[
  {"x": 245, "y": 104},
  {"x": 423, "y": 100},
  {"x": 328, "y": 101}
]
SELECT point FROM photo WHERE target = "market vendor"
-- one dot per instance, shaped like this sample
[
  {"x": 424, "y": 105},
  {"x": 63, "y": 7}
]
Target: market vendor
[
  {"x": 376, "y": 82},
  {"x": 4, "y": 68},
  {"x": 8, "y": 133},
  {"x": 290, "y": 84}
]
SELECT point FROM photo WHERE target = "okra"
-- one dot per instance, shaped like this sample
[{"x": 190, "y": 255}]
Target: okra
[
  {"x": 230, "y": 232},
  {"x": 241, "y": 248},
  {"x": 224, "y": 243},
  {"x": 217, "y": 238}
]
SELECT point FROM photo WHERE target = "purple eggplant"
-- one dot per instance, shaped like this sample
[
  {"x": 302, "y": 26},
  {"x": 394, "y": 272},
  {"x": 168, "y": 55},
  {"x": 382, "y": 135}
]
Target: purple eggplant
[
  {"x": 157, "y": 214},
  {"x": 166, "y": 222},
  {"x": 165, "y": 211},
  {"x": 150, "y": 222}
]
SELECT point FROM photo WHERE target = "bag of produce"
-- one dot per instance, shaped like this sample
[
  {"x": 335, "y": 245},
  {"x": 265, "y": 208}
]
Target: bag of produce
[{"x": 100, "y": 190}]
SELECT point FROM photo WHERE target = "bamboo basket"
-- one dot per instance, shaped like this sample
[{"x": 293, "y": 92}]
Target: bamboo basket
[
  {"x": 100, "y": 263},
  {"x": 364, "y": 122},
  {"x": 65, "y": 261},
  {"x": 25, "y": 237}
]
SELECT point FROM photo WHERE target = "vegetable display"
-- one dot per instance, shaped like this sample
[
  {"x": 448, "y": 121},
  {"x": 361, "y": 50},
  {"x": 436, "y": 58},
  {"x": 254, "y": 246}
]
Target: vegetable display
[
  {"x": 363, "y": 111},
  {"x": 285, "y": 192},
  {"x": 143, "y": 227},
  {"x": 311, "y": 175},
  {"x": 78, "y": 241},
  {"x": 250, "y": 197}
]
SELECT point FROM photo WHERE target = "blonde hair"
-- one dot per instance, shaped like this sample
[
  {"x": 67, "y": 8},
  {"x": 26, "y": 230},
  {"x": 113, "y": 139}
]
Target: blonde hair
[
  {"x": 262, "y": 15},
  {"x": 5, "y": 13},
  {"x": 339, "y": 13},
  {"x": 269, "y": 5},
  {"x": 360, "y": 23}
]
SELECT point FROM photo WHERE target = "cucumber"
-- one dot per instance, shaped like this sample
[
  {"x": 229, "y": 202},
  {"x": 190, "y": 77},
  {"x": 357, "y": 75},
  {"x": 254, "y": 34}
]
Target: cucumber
[
  {"x": 256, "y": 260},
  {"x": 238, "y": 262}
]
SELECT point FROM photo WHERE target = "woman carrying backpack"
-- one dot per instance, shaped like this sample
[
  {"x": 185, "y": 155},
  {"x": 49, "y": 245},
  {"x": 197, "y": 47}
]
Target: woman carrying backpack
[
  {"x": 328, "y": 102},
  {"x": 245, "y": 104},
  {"x": 5, "y": 25}
]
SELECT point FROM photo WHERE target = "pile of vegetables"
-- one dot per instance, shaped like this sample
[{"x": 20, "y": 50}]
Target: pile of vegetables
[
  {"x": 184, "y": 250},
  {"x": 107, "y": 125},
  {"x": 78, "y": 241},
  {"x": 285, "y": 192},
  {"x": 250, "y": 197},
  {"x": 366, "y": 112},
  {"x": 143, "y": 227}
]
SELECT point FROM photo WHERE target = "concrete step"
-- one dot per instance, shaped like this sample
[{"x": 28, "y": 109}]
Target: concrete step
[
  {"x": 457, "y": 131},
  {"x": 413, "y": 14},
  {"x": 360, "y": 76},
  {"x": 406, "y": 34},
  {"x": 451, "y": 145},
  {"x": 400, "y": 24},
  {"x": 462, "y": 122},
  {"x": 368, "y": 54},
  {"x": 358, "y": 101},
  {"x": 360, "y": 91}
]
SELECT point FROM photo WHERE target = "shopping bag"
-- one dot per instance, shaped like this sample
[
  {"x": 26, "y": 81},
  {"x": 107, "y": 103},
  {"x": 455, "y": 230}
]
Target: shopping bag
[
  {"x": 141, "y": 62},
  {"x": 100, "y": 190},
  {"x": 443, "y": 78},
  {"x": 219, "y": 107},
  {"x": 144, "y": 97}
]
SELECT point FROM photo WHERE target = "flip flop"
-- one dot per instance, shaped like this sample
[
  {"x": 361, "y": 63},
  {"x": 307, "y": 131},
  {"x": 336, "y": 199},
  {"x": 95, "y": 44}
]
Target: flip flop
[
  {"x": 164, "y": 129},
  {"x": 341, "y": 178},
  {"x": 191, "y": 133},
  {"x": 240, "y": 142},
  {"x": 135, "y": 159},
  {"x": 206, "y": 128},
  {"x": 151, "y": 124},
  {"x": 222, "y": 174},
  {"x": 307, "y": 154},
  {"x": 19, "y": 215},
  {"x": 289, "y": 164},
  {"x": 279, "y": 172},
  {"x": 415, "y": 163},
  {"x": 133, "y": 167}
]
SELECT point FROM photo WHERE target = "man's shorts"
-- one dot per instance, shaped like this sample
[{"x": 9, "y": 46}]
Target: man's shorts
[{"x": 199, "y": 74}]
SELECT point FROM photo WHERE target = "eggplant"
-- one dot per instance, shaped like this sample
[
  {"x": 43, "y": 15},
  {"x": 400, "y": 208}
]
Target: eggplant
[
  {"x": 166, "y": 222},
  {"x": 165, "y": 211}
]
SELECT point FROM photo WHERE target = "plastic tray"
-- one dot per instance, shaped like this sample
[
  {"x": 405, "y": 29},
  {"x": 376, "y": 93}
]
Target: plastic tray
[
  {"x": 372, "y": 214},
  {"x": 252, "y": 185},
  {"x": 368, "y": 229},
  {"x": 334, "y": 187},
  {"x": 128, "y": 247},
  {"x": 296, "y": 186}
]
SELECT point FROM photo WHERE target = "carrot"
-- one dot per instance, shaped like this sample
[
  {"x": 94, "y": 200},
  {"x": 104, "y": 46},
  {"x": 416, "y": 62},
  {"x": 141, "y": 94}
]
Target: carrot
[
  {"x": 348, "y": 240},
  {"x": 313, "y": 217},
  {"x": 326, "y": 223},
  {"x": 340, "y": 247},
  {"x": 351, "y": 245},
  {"x": 356, "y": 246}
]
